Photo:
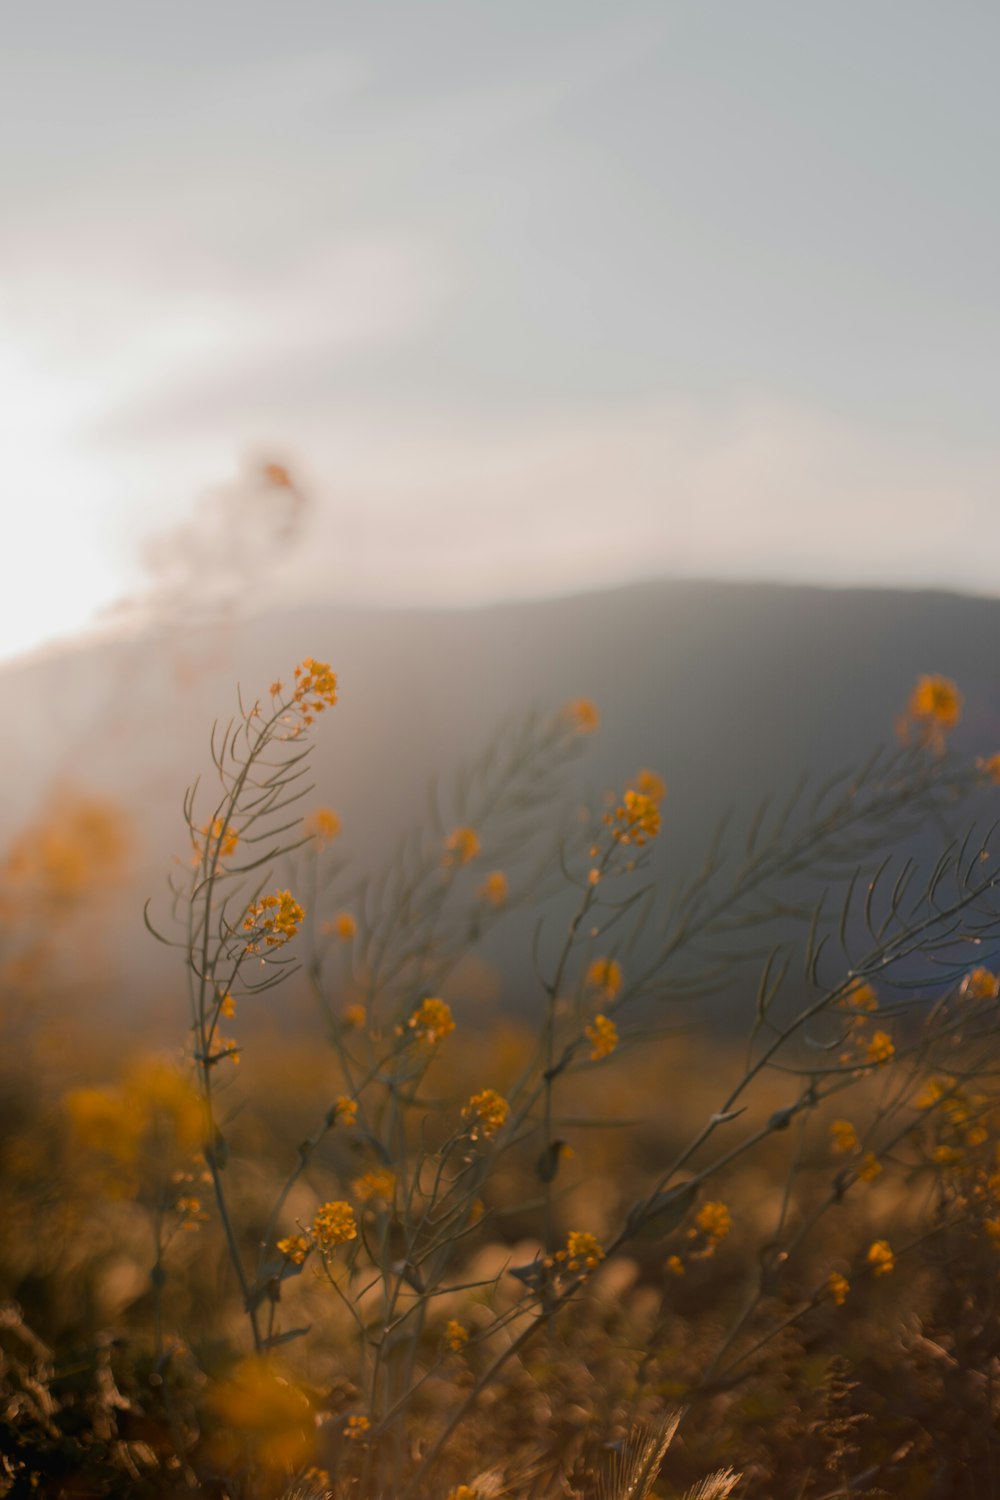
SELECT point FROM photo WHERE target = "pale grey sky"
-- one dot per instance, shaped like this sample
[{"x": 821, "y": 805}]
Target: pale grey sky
[{"x": 533, "y": 296}]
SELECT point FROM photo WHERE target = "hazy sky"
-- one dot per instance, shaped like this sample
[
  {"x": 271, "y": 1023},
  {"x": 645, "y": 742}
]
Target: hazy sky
[{"x": 532, "y": 296}]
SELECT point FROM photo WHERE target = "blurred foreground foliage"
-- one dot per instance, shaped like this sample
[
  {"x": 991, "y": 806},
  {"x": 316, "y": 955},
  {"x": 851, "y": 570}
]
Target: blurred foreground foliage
[{"x": 419, "y": 1249}]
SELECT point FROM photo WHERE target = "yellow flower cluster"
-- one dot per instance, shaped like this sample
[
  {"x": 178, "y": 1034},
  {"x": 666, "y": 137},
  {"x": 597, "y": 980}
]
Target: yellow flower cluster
[
  {"x": 650, "y": 785},
  {"x": 881, "y": 1258},
  {"x": 636, "y": 819},
  {"x": 334, "y": 1224},
  {"x": 315, "y": 687},
  {"x": 980, "y": 984},
  {"x": 990, "y": 767},
  {"x": 845, "y": 1138},
  {"x": 713, "y": 1221},
  {"x": 322, "y": 826},
  {"x": 494, "y": 888},
  {"x": 294, "y": 1248},
  {"x": 275, "y": 919},
  {"x": 605, "y": 974},
  {"x": 216, "y": 835},
  {"x": 860, "y": 995},
  {"x": 583, "y": 1251},
  {"x": 345, "y": 1110},
  {"x": 603, "y": 1037},
  {"x": 581, "y": 716},
  {"x": 357, "y": 1429},
  {"x": 838, "y": 1287},
  {"x": 432, "y": 1021},
  {"x": 485, "y": 1114},
  {"x": 377, "y": 1186},
  {"x": 880, "y": 1048},
  {"x": 461, "y": 846},
  {"x": 934, "y": 707},
  {"x": 456, "y": 1336}
]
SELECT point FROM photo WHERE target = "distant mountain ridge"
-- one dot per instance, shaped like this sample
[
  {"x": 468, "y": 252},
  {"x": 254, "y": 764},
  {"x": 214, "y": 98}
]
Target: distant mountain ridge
[{"x": 728, "y": 690}]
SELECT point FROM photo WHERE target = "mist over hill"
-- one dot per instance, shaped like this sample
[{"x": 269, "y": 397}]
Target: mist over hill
[{"x": 729, "y": 691}]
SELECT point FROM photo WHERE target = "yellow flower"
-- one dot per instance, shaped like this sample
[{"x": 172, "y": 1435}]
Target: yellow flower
[
  {"x": 275, "y": 918},
  {"x": 456, "y": 1336},
  {"x": 638, "y": 818},
  {"x": 334, "y": 1224},
  {"x": 860, "y": 995},
  {"x": 936, "y": 699},
  {"x": 870, "y": 1167},
  {"x": 845, "y": 1139},
  {"x": 581, "y": 715},
  {"x": 650, "y": 785},
  {"x": 603, "y": 1036},
  {"x": 257, "y": 1408},
  {"x": 880, "y": 1048},
  {"x": 932, "y": 1091},
  {"x": 376, "y": 1186},
  {"x": 322, "y": 826},
  {"x": 494, "y": 888},
  {"x": 583, "y": 1251},
  {"x": 463, "y": 1492},
  {"x": 354, "y": 1016},
  {"x": 431, "y": 1022},
  {"x": 714, "y": 1222},
  {"x": 980, "y": 984},
  {"x": 345, "y": 1110},
  {"x": 946, "y": 1156},
  {"x": 990, "y": 767},
  {"x": 838, "y": 1287},
  {"x": 315, "y": 687},
  {"x": 461, "y": 846},
  {"x": 227, "y": 1006},
  {"x": 674, "y": 1266},
  {"x": 486, "y": 1113},
  {"x": 357, "y": 1428},
  {"x": 219, "y": 837},
  {"x": 880, "y": 1257},
  {"x": 605, "y": 974},
  {"x": 295, "y": 1248},
  {"x": 342, "y": 925}
]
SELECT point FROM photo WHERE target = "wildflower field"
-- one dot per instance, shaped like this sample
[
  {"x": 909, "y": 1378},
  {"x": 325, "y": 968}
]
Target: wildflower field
[{"x": 407, "y": 1248}]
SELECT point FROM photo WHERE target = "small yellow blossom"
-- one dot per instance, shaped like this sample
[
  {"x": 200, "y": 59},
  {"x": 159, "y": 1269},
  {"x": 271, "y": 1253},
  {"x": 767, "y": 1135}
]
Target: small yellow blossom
[
  {"x": 674, "y": 1266},
  {"x": 581, "y": 715},
  {"x": 838, "y": 1287},
  {"x": 432, "y": 1021},
  {"x": 322, "y": 826},
  {"x": 275, "y": 918},
  {"x": 376, "y": 1186},
  {"x": 227, "y": 1006},
  {"x": 342, "y": 925},
  {"x": 880, "y": 1048},
  {"x": 357, "y": 1429},
  {"x": 845, "y": 1138},
  {"x": 315, "y": 687},
  {"x": 650, "y": 785},
  {"x": 714, "y": 1221},
  {"x": 494, "y": 888},
  {"x": 345, "y": 1110},
  {"x": 461, "y": 846},
  {"x": 294, "y": 1248},
  {"x": 936, "y": 698},
  {"x": 980, "y": 984},
  {"x": 276, "y": 687},
  {"x": 977, "y": 1136},
  {"x": 219, "y": 837},
  {"x": 485, "y": 1114},
  {"x": 990, "y": 767},
  {"x": 603, "y": 1036},
  {"x": 463, "y": 1492},
  {"x": 456, "y": 1336},
  {"x": 637, "y": 819},
  {"x": 605, "y": 974},
  {"x": 860, "y": 995},
  {"x": 334, "y": 1224},
  {"x": 869, "y": 1168},
  {"x": 930, "y": 1094},
  {"x": 946, "y": 1156},
  {"x": 880, "y": 1257},
  {"x": 583, "y": 1251},
  {"x": 354, "y": 1017},
  {"x": 593, "y": 876}
]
